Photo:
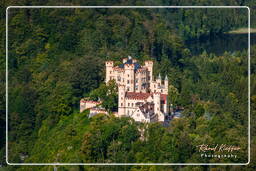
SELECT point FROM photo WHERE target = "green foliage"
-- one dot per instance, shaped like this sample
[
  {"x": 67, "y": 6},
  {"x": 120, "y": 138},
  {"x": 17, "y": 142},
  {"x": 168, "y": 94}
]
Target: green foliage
[
  {"x": 107, "y": 93},
  {"x": 109, "y": 140},
  {"x": 56, "y": 56},
  {"x": 62, "y": 142}
]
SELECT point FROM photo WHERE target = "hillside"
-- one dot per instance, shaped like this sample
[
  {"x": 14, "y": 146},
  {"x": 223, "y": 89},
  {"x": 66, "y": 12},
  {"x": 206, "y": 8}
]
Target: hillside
[{"x": 56, "y": 57}]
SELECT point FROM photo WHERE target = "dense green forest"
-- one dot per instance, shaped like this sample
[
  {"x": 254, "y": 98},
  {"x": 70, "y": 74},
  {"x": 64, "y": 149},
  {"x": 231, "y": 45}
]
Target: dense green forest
[{"x": 56, "y": 57}]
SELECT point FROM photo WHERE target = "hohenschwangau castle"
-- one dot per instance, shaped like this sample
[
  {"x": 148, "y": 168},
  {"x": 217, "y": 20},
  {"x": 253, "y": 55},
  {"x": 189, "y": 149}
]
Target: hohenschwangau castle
[{"x": 139, "y": 95}]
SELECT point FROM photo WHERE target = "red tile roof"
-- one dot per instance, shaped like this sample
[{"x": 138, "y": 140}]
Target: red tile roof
[
  {"x": 139, "y": 96},
  {"x": 142, "y": 96}
]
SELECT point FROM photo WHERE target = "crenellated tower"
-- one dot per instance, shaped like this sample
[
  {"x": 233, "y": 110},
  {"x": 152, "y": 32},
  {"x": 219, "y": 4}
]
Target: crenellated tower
[
  {"x": 149, "y": 66},
  {"x": 121, "y": 100},
  {"x": 109, "y": 70},
  {"x": 129, "y": 77}
]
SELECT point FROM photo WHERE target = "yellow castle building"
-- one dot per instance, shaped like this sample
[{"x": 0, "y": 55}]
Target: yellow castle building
[{"x": 139, "y": 95}]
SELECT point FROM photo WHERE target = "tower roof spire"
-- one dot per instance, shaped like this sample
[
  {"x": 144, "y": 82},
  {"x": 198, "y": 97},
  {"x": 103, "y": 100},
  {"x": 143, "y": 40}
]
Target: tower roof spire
[
  {"x": 159, "y": 76},
  {"x": 166, "y": 78}
]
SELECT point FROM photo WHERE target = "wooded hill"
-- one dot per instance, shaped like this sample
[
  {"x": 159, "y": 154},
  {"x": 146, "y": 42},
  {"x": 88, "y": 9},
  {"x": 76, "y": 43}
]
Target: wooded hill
[{"x": 56, "y": 57}]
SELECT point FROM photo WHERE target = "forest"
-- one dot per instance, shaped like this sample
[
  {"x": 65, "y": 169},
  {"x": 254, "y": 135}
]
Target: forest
[{"x": 56, "y": 57}]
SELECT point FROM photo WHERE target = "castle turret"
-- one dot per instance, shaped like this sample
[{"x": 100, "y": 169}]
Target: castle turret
[
  {"x": 156, "y": 99},
  {"x": 149, "y": 66},
  {"x": 166, "y": 82},
  {"x": 124, "y": 60},
  {"x": 109, "y": 70},
  {"x": 157, "y": 107},
  {"x": 121, "y": 100},
  {"x": 129, "y": 77},
  {"x": 159, "y": 81},
  {"x": 166, "y": 85}
]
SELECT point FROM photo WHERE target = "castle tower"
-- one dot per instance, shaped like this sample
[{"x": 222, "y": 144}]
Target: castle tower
[
  {"x": 149, "y": 65},
  {"x": 129, "y": 76},
  {"x": 157, "y": 107},
  {"x": 166, "y": 84},
  {"x": 125, "y": 60},
  {"x": 156, "y": 99},
  {"x": 121, "y": 100},
  {"x": 109, "y": 70},
  {"x": 165, "y": 106},
  {"x": 159, "y": 81}
]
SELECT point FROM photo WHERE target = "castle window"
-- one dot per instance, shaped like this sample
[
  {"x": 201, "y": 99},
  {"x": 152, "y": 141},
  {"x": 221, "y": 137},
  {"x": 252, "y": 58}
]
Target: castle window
[
  {"x": 128, "y": 104},
  {"x": 132, "y": 104},
  {"x": 118, "y": 78},
  {"x": 136, "y": 80},
  {"x": 128, "y": 112},
  {"x": 128, "y": 81},
  {"x": 121, "y": 104},
  {"x": 128, "y": 75},
  {"x": 110, "y": 72}
]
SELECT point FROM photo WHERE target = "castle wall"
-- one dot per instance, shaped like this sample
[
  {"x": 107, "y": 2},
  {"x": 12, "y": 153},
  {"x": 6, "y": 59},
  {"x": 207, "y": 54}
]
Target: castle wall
[
  {"x": 141, "y": 82},
  {"x": 98, "y": 111},
  {"x": 130, "y": 105},
  {"x": 87, "y": 104},
  {"x": 158, "y": 87},
  {"x": 139, "y": 117}
]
